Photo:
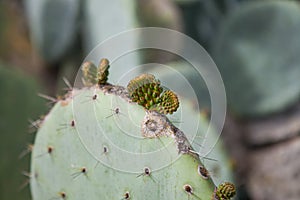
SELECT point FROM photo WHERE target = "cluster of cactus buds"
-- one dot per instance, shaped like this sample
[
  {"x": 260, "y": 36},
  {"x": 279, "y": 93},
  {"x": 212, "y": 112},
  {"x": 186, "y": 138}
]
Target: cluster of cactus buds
[
  {"x": 93, "y": 75},
  {"x": 224, "y": 191},
  {"x": 146, "y": 91}
]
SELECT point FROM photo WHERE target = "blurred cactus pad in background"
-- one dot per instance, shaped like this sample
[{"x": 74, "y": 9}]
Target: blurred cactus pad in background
[
  {"x": 257, "y": 54},
  {"x": 19, "y": 91},
  {"x": 255, "y": 45}
]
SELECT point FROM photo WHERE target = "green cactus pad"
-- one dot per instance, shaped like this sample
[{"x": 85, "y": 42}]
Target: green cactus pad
[
  {"x": 257, "y": 54},
  {"x": 53, "y": 25},
  {"x": 87, "y": 148},
  {"x": 98, "y": 143},
  {"x": 19, "y": 103}
]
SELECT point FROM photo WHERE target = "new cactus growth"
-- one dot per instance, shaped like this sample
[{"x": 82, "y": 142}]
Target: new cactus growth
[
  {"x": 93, "y": 75},
  {"x": 225, "y": 191},
  {"x": 146, "y": 91},
  {"x": 89, "y": 71},
  {"x": 169, "y": 102},
  {"x": 102, "y": 74},
  {"x": 100, "y": 143}
]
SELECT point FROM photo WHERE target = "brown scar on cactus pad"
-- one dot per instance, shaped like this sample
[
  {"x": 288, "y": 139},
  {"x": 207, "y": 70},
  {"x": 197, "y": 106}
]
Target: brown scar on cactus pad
[{"x": 156, "y": 124}]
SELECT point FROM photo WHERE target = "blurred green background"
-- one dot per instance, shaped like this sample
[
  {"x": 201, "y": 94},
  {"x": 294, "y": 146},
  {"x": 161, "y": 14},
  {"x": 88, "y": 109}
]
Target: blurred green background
[{"x": 255, "y": 44}]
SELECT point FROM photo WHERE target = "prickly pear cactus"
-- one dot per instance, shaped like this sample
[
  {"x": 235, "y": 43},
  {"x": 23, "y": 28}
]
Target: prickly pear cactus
[{"x": 110, "y": 142}]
